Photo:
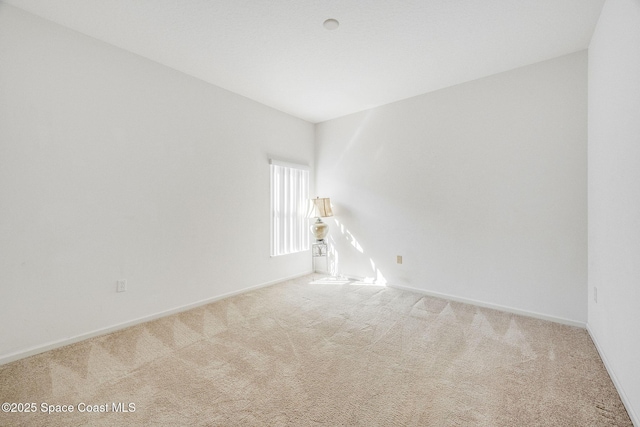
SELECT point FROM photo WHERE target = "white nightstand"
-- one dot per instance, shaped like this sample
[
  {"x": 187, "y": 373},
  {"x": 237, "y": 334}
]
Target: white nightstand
[{"x": 319, "y": 252}]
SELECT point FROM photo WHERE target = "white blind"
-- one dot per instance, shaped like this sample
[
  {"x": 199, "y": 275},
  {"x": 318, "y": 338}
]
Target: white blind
[{"x": 289, "y": 198}]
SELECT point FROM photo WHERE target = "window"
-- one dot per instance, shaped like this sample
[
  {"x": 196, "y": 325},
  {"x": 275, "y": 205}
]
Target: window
[{"x": 289, "y": 200}]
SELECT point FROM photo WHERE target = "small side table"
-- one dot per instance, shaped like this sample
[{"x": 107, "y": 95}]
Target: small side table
[{"x": 319, "y": 252}]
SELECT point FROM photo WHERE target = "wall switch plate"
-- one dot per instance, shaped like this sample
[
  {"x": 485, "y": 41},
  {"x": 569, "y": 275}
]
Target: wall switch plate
[
  {"x": 121, "y": 286},
  {"x": 398, "y": 259}
]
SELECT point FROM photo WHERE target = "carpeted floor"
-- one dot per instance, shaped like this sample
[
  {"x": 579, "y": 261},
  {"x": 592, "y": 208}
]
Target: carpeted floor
[{"x": 300, "y": 354}]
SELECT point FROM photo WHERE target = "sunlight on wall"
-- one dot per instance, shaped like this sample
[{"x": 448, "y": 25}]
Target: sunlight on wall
[
  {"x": 333, "y": 257},
  {"x": 347, "y": 234},
  {"x": 379, "y": 277}
]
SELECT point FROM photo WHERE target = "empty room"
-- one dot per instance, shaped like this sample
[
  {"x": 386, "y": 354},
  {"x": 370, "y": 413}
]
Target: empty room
[{"x": 320, "y": 213}]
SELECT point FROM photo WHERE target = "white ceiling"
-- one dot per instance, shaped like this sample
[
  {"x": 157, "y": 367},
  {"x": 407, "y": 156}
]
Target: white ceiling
[{"x": 277, "y": 52}]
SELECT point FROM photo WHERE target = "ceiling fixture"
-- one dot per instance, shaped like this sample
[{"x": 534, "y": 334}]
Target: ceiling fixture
[{"x": 331, "y": 24}]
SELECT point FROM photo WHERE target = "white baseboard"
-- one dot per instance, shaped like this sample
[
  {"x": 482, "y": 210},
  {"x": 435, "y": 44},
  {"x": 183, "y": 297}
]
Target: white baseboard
[
  {"x": 627, "y": 404},
  {"x": 485, "y": 304},
  {"x": 71, "y": 340}
]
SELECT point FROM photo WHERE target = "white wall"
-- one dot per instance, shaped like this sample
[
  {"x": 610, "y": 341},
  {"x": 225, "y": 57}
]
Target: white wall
[
  {"x": 481, "y": 188},
  {"x": 115, "y": 167},
  {"x": 614, "y": 195}
]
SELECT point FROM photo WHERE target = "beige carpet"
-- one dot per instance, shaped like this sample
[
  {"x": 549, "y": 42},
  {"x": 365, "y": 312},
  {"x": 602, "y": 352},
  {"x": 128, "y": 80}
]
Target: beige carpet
[{"x": 300, "y": 354}]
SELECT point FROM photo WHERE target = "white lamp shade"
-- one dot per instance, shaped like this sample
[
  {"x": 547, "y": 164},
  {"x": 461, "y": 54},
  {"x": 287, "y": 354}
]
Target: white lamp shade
[{"x": 322, "y": 207}]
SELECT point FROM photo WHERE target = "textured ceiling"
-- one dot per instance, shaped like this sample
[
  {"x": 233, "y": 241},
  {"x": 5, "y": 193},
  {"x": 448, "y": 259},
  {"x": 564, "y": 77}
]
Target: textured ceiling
[{"x": 277, "y": 52}]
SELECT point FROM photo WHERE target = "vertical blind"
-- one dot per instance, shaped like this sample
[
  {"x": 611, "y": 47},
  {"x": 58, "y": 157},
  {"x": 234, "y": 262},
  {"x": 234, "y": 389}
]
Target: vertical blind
[{"x": 289, "y": 199}]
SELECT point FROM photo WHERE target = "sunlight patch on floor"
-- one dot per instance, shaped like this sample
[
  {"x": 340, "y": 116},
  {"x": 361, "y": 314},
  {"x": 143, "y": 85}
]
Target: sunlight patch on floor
[
  {"x": 332, "y": 281},
  {"x": 337, "y": 280},
  {"x": 369, "y": 282}
]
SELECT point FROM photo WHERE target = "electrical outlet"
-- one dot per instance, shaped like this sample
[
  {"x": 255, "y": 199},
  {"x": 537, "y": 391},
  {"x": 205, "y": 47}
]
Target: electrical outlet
[
  {"x": 595, "y": 294},
  {"x": 121, "y": 286},
  {"x": 398, "y": 259}
]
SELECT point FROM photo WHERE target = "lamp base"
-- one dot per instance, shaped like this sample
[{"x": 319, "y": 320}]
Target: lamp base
[{"x": 319, "y": 230}]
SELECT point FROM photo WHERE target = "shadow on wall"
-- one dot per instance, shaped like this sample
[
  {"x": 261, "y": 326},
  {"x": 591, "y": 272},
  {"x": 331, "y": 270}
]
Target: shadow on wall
[{"x": 333, "y": 255}]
